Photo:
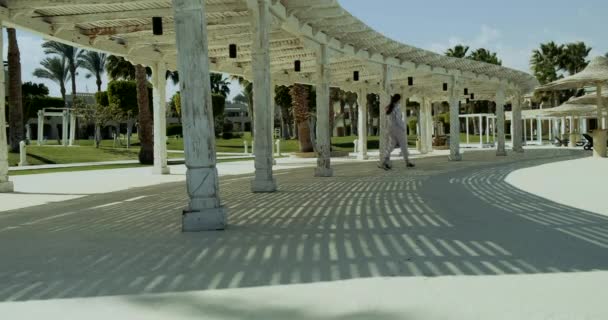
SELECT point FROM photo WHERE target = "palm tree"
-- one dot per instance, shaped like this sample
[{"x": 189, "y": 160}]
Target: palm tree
[
  {"x": 484, "y": 55},
  {"x": 574, "y": 57},
  {"x": 546, "y": 61},
  {"x": 55, "y": 69},
  {"x": 351, "y": 100},
  {"x": 15, "y": 103},
  {"x": 146, "y": 152},
  {"x": 459, "y": 51},
  {"x": 248, "y": 93},
  {"x": 299, "y": 95},
  {"x": 71, "y": 55},
  {"x": 219, "y": 84},
  {"x": 95, "y": 63}
]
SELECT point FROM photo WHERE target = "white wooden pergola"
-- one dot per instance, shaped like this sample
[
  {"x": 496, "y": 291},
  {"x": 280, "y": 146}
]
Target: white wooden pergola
[
  {"x": 331, "y": 47},
  {"x": 490, "y": 120}
]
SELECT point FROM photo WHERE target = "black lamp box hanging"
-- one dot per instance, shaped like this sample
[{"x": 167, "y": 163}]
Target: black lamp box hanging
[
  {"x": 468, "y": 100},
  {"x": 410, "y": 81},
  {"x": 297, "y": 66},
  {"x": 157, "y": 26},
  {"x": 356, "y": 76},
  {"x": 472, "y": 96},
  {"x": 466, "y": 91},
  {"x": 445, "y": 87},
  {"x": 232, "y": 51}
]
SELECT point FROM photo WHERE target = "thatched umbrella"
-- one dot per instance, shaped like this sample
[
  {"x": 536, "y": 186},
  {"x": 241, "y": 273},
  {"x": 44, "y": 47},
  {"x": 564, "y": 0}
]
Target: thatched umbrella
[{"x": 596, "y": 75}]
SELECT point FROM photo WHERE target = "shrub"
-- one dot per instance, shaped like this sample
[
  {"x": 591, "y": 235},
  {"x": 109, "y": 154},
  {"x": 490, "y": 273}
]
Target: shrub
[
  {"x": 102, "y": 98},
  {"x": 175, "y": 130},
  {"x": 227, "y": 135}
]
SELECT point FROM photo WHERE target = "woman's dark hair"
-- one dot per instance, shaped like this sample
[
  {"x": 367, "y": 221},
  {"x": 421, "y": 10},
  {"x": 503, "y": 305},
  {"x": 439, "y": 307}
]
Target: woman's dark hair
[{"x": 394, "y": 99}]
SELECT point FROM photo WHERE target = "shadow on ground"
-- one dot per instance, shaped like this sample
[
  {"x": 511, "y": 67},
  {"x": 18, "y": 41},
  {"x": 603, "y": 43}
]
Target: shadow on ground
[{"x": 440, "y": 219}]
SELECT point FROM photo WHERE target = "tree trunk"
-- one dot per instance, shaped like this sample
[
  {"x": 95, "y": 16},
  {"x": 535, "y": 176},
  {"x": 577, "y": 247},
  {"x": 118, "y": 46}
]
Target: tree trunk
[
  {"x": 97, "y": 136},
  {"x": 62, "y": 89},
  {"x": 98, "y": 82},
  {"x": 15, "y": 105},
  {"x": 353, "y": 122},
  {"x": 73, "y": 74},
  {"x": 146, "y": 153},
  {"x": 304, "y": 136}
]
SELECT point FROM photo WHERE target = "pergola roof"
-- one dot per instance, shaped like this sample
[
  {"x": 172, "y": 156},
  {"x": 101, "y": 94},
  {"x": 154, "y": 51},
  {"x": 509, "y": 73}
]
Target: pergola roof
[{"x": 299, "y": 28}]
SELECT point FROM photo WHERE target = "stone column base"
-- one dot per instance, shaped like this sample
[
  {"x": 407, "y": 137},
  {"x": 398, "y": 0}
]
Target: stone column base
[
  {"x": 456, "y": 157},
  {"x": 207, "y": 220},
  {"x": 501, "y": 153},
  {"x": 162, "y": 170},
  {"x": 6, "y": 187},
  {"x": 324, "y": 172},
  {"x": 263, "y": 186},
  {"x": 362, "y": 157},
  {"x": 518, "y": 150}
]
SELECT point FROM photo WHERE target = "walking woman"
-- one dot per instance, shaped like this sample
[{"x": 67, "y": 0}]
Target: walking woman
[{"x": 396, "y": 134}]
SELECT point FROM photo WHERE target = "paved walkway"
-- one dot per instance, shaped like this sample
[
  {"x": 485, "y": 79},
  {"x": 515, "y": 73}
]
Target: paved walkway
[{"x": 442, "y": 241}]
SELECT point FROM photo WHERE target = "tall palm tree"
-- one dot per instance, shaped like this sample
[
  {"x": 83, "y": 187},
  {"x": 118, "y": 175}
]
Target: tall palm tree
[
  {"x": 146, "y": 152},
  {"x": 459, "y": 51},
  {"x": 95, "y": 63},
  {"x": 546, "y": 61},
  {"x": 55, "y": 69},
  {"x": 299, "y": 95},
  {"x": 485, "y": 55},
  {"x": 219, "y": 84},
  {"x": 71, "y": 55},
  {"x": 574, "y": 57},
  {"x": 248, "y": 93},
  {"x": 15, "y": 103},
  {"x": 351, "y": 100}
]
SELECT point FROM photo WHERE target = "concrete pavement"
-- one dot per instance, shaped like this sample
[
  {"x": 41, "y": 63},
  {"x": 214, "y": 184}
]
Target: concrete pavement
[{"x": 443, "y": 241}]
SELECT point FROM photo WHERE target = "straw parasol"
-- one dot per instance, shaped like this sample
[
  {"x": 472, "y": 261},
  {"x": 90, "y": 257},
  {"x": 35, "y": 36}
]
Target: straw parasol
[
  {"x": 569, "y": 109},
  {"x": 591, "y": 98}
]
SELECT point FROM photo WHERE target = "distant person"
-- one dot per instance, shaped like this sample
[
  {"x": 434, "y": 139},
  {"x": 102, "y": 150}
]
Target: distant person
[{"x": 396, "y": 135}]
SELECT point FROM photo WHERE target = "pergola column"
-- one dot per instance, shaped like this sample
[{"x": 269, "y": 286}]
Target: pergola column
[
  {"x": 454, "y": 121},
  {"x": 159, "y": 85},
  {"x": 426, "y": 125},
  {"x": 40, "y": 127},
  {"x": 362, "y": 123},
  {"x": 323, "y": 130},
  {"x": 405, "y": 95},
  {"x": 516, "y": 124},
  {"x": 204, "y": 211},
  {"x": 72, "y": 127},
  {"x": 260, "y": 61},
  {"x": 480, "y": 132},
  {"x": 500, "y": 117},
  {"x": 5, "y": 184},
  {"x": 385, "y": 99},
  {"x": 65, "y": 123},
  {"x": 539, "y": 130}
]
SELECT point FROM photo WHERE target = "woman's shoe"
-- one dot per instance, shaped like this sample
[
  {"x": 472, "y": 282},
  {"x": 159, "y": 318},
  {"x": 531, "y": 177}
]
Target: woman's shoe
[
  {"x": 409, "y": 164},
  {"x": 384, "y": 166}
]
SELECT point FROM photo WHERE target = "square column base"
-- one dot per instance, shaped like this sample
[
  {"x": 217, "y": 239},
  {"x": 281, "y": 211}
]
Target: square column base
[
  {"x": 362, "y": 157},
  {"x": 501, "y": 153},
  {"x": 456, "y": 157},
  {"x": 263, "y": 186},
  {"x": 324, "y": 172},
  {"x": 519, "y": 150},
  {"x": 161, "y": 171},
  {"x": 207, "y": 220},
  {"x": 7, "y": 187}
]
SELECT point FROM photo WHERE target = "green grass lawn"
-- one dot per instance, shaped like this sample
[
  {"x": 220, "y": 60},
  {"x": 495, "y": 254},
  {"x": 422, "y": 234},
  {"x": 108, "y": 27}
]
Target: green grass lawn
[{"x": 86, "y": 152}]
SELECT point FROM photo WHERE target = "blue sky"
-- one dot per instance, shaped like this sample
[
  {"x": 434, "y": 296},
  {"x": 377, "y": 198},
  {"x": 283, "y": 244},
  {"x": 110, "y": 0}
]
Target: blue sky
[{"x": 511, "y": 28}]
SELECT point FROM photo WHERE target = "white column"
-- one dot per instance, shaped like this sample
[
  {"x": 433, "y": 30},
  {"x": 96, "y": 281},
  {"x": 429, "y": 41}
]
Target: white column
[
  {"x": 494, "y": 129},
  {"x": 40, "y": 127},
  {"x": 539, "y": 130},
  {"x": 500, "y": 117},
  {"x": 28, "y": 132},
  {"x": 487, "y": 129},
  {"x": 571, "y": 124},
  {"x": 429, "y": 126},
  {"x": 264, "y": 180},
  {"x": 466, "y": 124},
  {"x": 72, "y": 127},
  {"x": 563, "y": 126},
  {"x": 159, "y": 85},
  {"x": 531, "y": 130},
  {"x": 385, "y": 98},
  {"x": 454, "y": 121},
  {"x": 204, "y": 211},
  {"x": 423, "y": 125},
  {"x": 323, "y": 130},
  {"x": 362, "y": 119},
  {"x": 480, "y": 132},
  {"x": 5, "y": 184},
  {"x": 64, "y": 128},
  {"x": 525, "y": 129},
  {"x": 272, "y": 114},
  {"x": 516, "y": 133},
  {"x": 551, "y": 124}
]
